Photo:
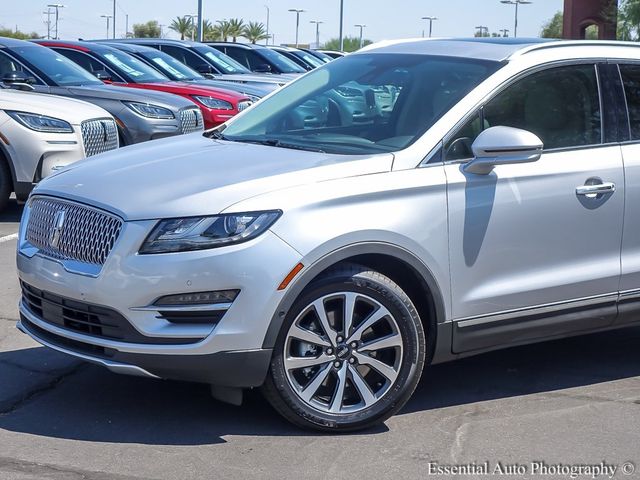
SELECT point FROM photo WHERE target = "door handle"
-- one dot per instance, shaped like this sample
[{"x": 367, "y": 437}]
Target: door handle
[{"x": 592, "y": 191}]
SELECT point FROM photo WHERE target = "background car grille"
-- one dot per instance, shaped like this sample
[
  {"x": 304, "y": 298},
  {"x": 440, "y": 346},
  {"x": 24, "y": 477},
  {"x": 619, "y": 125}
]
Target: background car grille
[
  {"x": 84, "y": 234},
  {"x": 191, "y": 120},
  {"x": 244, "y": 105},
  {"x": 99, "y": 136}
]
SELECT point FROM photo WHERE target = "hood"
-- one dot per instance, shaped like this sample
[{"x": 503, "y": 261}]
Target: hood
[
  {"x": 68, "y": 109},
  {"x": 192, "y": 175},
  {"x": 114, "y": 92},
  {"x": 184, "y": 88}
]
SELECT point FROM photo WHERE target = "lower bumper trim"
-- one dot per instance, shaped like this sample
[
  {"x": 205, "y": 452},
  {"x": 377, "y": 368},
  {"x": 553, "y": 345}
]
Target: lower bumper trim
[{"x": 240, "y": 369}]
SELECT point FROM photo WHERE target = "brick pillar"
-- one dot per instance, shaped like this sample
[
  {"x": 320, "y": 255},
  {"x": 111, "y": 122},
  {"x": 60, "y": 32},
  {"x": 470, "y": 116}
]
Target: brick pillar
[{"x": 579, "y": 14}]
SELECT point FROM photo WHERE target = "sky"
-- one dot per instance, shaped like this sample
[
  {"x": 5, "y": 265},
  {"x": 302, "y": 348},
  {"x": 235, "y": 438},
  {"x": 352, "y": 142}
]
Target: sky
[{"x": 385, "y": 19}]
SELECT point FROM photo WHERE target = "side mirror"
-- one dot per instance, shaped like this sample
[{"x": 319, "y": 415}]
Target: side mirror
[
  {"x": 205, "y": 68},
  {"x": 18, "y": 80},
  {"x": 103, "y": 75},
  {"x": 503, "y": 146},
  {"x": 262, "y": 68}
]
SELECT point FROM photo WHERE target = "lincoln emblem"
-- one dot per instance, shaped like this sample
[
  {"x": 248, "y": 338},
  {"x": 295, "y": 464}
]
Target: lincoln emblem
[{"x": 56, "y": 233}]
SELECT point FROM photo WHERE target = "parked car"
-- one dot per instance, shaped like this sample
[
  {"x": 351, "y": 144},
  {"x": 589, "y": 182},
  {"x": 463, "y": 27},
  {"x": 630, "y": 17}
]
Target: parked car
[
  {"x": 40, "y": 134},
  {"x": 318, "y": 54},
  {"x": 207, "y": 61},
  {"x": 259, "y": 58},
  {"x": 300, "y": 57},
  {"x": 180, "y": 72},
  {"x": 119, "y": 68},
  {"x": 140, "y": 116},
  {"x": 495, "y": 205},
  {"x": 332, "y": 53}
]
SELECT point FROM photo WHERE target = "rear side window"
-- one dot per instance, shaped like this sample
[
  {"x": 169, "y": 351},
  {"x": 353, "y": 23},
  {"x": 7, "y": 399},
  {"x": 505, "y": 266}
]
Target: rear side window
[
  {"x": 631, "y": 81},
  {"x": 184, "y": 55}
]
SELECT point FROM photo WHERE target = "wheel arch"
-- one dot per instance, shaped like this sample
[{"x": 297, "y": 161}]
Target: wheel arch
[
  {"x": 404, "y": 268},
  {"x": 6, "y": 158}
]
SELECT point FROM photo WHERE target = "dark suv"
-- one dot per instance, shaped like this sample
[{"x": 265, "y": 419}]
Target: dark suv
[{"x": 258, "y": 58}]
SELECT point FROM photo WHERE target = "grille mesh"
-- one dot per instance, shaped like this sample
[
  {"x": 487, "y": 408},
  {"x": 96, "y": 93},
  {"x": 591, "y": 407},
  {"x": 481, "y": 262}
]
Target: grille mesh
[
  {"x": 191, "y": 120},
  {"x": 85, "y": 235},
  {"x": 99, "y": 136}
]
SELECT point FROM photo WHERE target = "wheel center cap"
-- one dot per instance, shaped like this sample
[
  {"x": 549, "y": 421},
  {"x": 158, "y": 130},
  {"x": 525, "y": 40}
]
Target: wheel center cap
[{"x": 342, "y": 351}]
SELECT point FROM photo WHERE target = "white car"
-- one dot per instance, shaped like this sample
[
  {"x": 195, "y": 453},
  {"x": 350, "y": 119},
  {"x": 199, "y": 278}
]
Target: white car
[{"x": 43, "y": 133}]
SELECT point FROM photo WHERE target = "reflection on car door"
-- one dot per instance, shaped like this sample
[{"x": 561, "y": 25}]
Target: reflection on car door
[{"x": 530, "y": 256}]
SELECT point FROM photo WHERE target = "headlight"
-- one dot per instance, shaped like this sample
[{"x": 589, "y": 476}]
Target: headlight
[
  {"x": 41, "y": 123},
  {"x": 150, "y": 111},
  {"x": 216, "y": 103},
  {"x": 200, "y": 233}
]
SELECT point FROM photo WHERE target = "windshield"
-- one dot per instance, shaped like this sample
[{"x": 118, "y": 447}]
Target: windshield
[
  {"x": 283, "y": 63},
  {"x": 223, "y": 62},
  {"x": 365, "y": 103},
  {"x": 171, "y": 67},
  {"x": 308, "y": 58},
  {"x": 51, "y": 65},
  {"x": 131, "y": 67}
]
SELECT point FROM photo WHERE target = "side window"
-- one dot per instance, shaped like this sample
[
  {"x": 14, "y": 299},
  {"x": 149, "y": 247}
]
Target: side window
[
  {"x": 82, "y": 59},
  {"x": 239, "y": 55},
  {"x": 631, "y": 81},
  {"x": 561, "y": 105},
  {"x": 9, "y": 65},
  {"x": 183, "y": 55}
]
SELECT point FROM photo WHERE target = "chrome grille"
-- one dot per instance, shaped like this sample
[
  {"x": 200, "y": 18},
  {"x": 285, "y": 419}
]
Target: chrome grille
[
  {"x": 99, "y": 136},
  {"x": 191, "y": 121},
  {"x": 244, "y": 105},
  {"x": 69, "y": 231}
]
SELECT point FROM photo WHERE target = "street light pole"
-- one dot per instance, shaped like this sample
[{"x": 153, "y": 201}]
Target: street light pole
[
  {"x": 430, "y": 19},
  {"x": 114, "y": 21},
  {"x": 267, "y": 35},
  {"x": 362, "y": 27},
  {"x": 48, "y": 14},
  {"x": 297, "y": 11},
  {"x": 504, "y": 32},
  {"x": 200, "y": 22},
  {"x": 107, "y": 17},
  {"x": 57, "y": 6},
  {"x": 517, "y": 3},
  {"x": 482, "y": 29},
  {"x": 317, "y": 22},
  {"x": 342, "y": 25}
]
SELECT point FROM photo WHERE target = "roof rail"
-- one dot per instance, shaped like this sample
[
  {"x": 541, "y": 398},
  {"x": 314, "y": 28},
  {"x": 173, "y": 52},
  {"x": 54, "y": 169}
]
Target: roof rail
[{"x": 572, "y": 43}]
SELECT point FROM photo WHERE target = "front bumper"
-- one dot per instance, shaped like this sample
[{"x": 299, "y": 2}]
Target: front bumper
[{"x": 228, "y": 354}]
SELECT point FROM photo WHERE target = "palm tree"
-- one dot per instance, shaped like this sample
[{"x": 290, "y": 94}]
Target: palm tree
[
  {"x": 236, "y": 28},
  {"x": 225, "y": 29},
  {"x": 254, "y": 32},
  {"x": 211, "y": 32},
  {"x": 181, "y": 25}
]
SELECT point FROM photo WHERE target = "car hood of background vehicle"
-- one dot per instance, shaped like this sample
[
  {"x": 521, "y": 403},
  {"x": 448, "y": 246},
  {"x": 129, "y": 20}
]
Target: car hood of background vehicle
[
  {"x": 193, "y": 175},
  {"x": 182, "y": 88},
  {"x": 114, "y": 92},
  {"x": 278, "y": 79},
  {"x": 67, "y": 109}
]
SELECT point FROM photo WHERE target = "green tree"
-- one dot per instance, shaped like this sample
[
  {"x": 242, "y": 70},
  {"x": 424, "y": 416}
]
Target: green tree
[
  {"x": 254, "y": 32},
  {"x": 351, "y": 44},
  {"x": 225, "y": 29},
  {"x": 236, "y": 28},
  {"x": 211, "y": 32},
  {"x": 151, "y": 29},
  {"x": 553, "y": 28},
  {"x": 183, "y": 26},
  {"x": 7, "y": 32}
]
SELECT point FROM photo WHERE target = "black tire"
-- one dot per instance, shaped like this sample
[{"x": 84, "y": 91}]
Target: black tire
[
  {"x": 6, "y": 184},
  {"x": 361, "y": 280}
]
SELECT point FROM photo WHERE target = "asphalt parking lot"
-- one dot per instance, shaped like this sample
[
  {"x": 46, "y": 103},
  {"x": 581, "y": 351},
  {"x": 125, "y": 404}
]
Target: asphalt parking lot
[{"x": 575, "y": 401}]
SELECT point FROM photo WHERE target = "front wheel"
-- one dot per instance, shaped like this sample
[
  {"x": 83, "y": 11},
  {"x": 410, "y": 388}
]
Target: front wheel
[{"x": 350, "y": 352}]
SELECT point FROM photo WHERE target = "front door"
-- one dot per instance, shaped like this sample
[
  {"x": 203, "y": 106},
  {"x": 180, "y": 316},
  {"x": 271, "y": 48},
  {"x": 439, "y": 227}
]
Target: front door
[{"x": 534, "y": 252}]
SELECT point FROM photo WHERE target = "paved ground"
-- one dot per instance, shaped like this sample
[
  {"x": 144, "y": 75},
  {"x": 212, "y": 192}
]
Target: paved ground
[{"x": 571, "y": 402}]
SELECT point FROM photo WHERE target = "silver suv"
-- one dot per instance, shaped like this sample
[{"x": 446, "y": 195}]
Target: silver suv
[{"x": 487, "y": 198}]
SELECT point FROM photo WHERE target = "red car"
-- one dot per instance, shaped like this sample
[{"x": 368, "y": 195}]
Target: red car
[{"x": 119, "y": 68}]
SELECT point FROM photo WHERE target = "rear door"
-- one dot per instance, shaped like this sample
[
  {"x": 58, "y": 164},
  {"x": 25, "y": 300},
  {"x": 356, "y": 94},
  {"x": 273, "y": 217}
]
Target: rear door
[{"x": 531, "y": 254}]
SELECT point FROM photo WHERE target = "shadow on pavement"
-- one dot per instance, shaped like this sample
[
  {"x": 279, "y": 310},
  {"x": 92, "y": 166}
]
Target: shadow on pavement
[
  {"x": 92, "y": 404},
  {"x": 12, "y": 213}
]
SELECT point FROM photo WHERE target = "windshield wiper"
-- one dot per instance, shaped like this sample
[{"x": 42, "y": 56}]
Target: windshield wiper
[
  {"x": 216, "y": 134},
  {"x": 280, "y": 144}
]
